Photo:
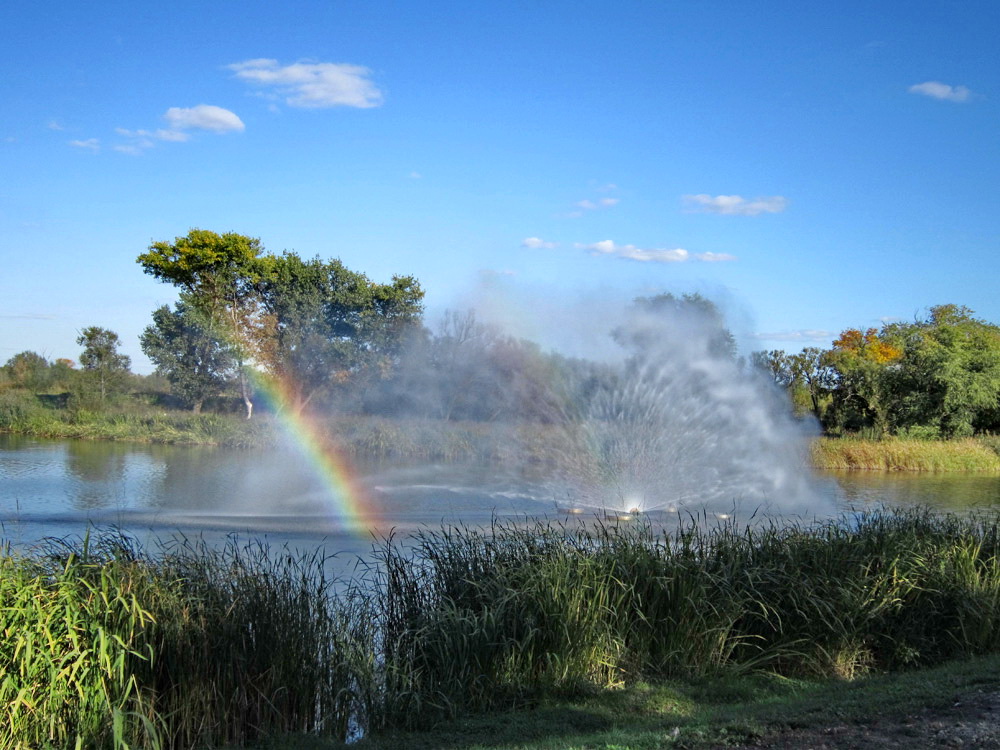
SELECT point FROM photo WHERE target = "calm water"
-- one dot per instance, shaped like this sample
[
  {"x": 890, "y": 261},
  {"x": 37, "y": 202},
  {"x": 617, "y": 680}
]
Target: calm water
[{"x": 58, "y": 488}]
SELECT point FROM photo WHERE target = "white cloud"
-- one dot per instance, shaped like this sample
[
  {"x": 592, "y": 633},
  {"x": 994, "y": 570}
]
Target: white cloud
[
  {"x": 735, "y": 205},
  {"x": 652, "y": 255},
  {"x": 313, "y": 85},
  {"x": 54, "y": 125},
  {"x": 536, "y": 243},
  {"x": 631, "y": 252},
  {"x": 29, "y": 316},
  {"x": 133, "y": 149},
  {"x": 415, "y": 175},
  {"x": 91, "y": 144},
  {"x": 938, "y": 90},
  {"x": 180, "y": 119},
  {"x": 203, "y": 117}
]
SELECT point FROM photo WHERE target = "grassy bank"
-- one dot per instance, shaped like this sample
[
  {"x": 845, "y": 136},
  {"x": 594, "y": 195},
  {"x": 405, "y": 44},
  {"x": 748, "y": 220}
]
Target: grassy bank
[
  {"x": 108, "y": 646},
  {"x": 24, "y": 414},
  {"x": 897, "y": 454}
]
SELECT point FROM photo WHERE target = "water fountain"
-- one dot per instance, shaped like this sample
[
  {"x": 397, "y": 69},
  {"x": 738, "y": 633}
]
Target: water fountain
[{"x": 680, "y": 423}]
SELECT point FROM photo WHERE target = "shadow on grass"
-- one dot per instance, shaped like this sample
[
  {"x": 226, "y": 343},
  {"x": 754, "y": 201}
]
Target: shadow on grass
[{"x": 708, "y": 713}]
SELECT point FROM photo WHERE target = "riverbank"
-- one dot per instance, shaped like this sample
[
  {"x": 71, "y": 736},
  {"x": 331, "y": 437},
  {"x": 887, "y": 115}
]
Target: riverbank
[{"x": 191, "y": 646}]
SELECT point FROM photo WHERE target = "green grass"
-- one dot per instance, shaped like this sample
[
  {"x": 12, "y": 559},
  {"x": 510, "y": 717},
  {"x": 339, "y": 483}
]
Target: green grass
[{"x": 702, "y": 713}]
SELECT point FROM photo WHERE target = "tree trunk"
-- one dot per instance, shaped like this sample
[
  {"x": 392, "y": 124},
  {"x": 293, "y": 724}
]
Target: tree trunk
[
  {"x": 245, "y": 392},
  {"x": 196, "y": 409}
]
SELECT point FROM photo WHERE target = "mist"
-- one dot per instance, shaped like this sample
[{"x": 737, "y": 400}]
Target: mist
[{"x": 612, "y": 403}]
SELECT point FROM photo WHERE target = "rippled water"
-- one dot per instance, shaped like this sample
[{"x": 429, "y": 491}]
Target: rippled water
[{"x": 58, "y": 488}]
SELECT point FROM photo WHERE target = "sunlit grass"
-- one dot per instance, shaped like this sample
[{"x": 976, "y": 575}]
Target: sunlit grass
[{"x": 896, "y": 454}]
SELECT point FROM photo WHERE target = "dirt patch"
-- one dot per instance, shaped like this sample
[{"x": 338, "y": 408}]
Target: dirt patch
[{"x": 972, "y": 721}]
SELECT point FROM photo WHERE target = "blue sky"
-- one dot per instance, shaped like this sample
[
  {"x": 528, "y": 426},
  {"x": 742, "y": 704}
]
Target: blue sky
[{"x": 812, "y": 166}]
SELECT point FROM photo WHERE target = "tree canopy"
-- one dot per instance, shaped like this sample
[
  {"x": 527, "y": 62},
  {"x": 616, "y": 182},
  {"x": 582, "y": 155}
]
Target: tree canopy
[
  {"x": 101, "y": 359},
  {"x": 936, "y": 376},
  {"x": 313, "y": 325}
]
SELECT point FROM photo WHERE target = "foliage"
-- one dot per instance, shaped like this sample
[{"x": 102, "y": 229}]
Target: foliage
[
  {"x": 913, "y": 450},
  {"x": 311, "y": 324},
  {"x": 663, "y": 321},
  {"x": 104, "y": 366},
  {"x": 322, "y": 325},
  {"x": 28, "y": 370},
  {"x": 938, "y": 376},
  {"x": 196, "y": 363},
  {"x": 108, "y": 647},
  {"x": 216, "y": 273}
]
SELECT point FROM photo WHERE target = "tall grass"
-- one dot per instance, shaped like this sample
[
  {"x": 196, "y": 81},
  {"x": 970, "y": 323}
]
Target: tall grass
[
  {"x": 106, "y": 646},
  {"x": 478, "y": 620},
  {"x": 898, "y": 454}
]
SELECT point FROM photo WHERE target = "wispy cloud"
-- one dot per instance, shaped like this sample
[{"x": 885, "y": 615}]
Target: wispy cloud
[
  {"x": 651, "y": 255},
  {"x": 942, "y": 91},
  {"x": 312, "y": 85},
  {"x": 537, "y": 243},
  {"x": 91, "y": 144},
  {"x": 714, "y": 257},
  {"x": 734, "y": 205},
  {"x": 180, "y": 120},
  {"x": 54, "y": 125},
  {"x": 804, "y": 334},
  {"x": 587, "y": 205}
]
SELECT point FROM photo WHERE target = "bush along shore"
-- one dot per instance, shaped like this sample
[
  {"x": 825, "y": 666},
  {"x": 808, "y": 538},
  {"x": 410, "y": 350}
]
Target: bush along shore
[{"x": 108, "y": 646}]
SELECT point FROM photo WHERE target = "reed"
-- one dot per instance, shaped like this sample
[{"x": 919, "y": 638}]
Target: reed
[
  {"x": 898, "y": 454},
  {"x": 485, "y": 620},
  {"x": 107, "y": 646}
]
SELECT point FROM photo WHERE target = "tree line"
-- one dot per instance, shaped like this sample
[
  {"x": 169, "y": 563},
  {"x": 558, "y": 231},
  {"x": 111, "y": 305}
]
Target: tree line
[
  {"x": 938, "y": 376},
  {"x": 334, "y": 340}
]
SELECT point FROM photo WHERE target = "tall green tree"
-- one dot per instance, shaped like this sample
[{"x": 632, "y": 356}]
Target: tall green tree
[
  {"x": 217, "y": 273},
  {"x": 661, "y": 324},
  {"x": 314, "y": 325},
  {"x": 101, "y": 359},
  {"x": 180, "y": 343}
]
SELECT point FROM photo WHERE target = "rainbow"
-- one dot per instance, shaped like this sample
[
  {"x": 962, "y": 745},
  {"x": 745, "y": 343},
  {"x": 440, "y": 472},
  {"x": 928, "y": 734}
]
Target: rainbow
[{"x": 351, "y": 506}]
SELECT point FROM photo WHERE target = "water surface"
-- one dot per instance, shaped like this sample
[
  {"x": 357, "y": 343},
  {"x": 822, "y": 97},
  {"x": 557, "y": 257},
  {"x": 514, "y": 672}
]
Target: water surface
[{"x": 58, "y": 488}]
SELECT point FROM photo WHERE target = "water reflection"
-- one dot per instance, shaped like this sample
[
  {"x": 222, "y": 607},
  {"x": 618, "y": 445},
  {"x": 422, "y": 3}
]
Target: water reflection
[{"x": 945, "y": 491}]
